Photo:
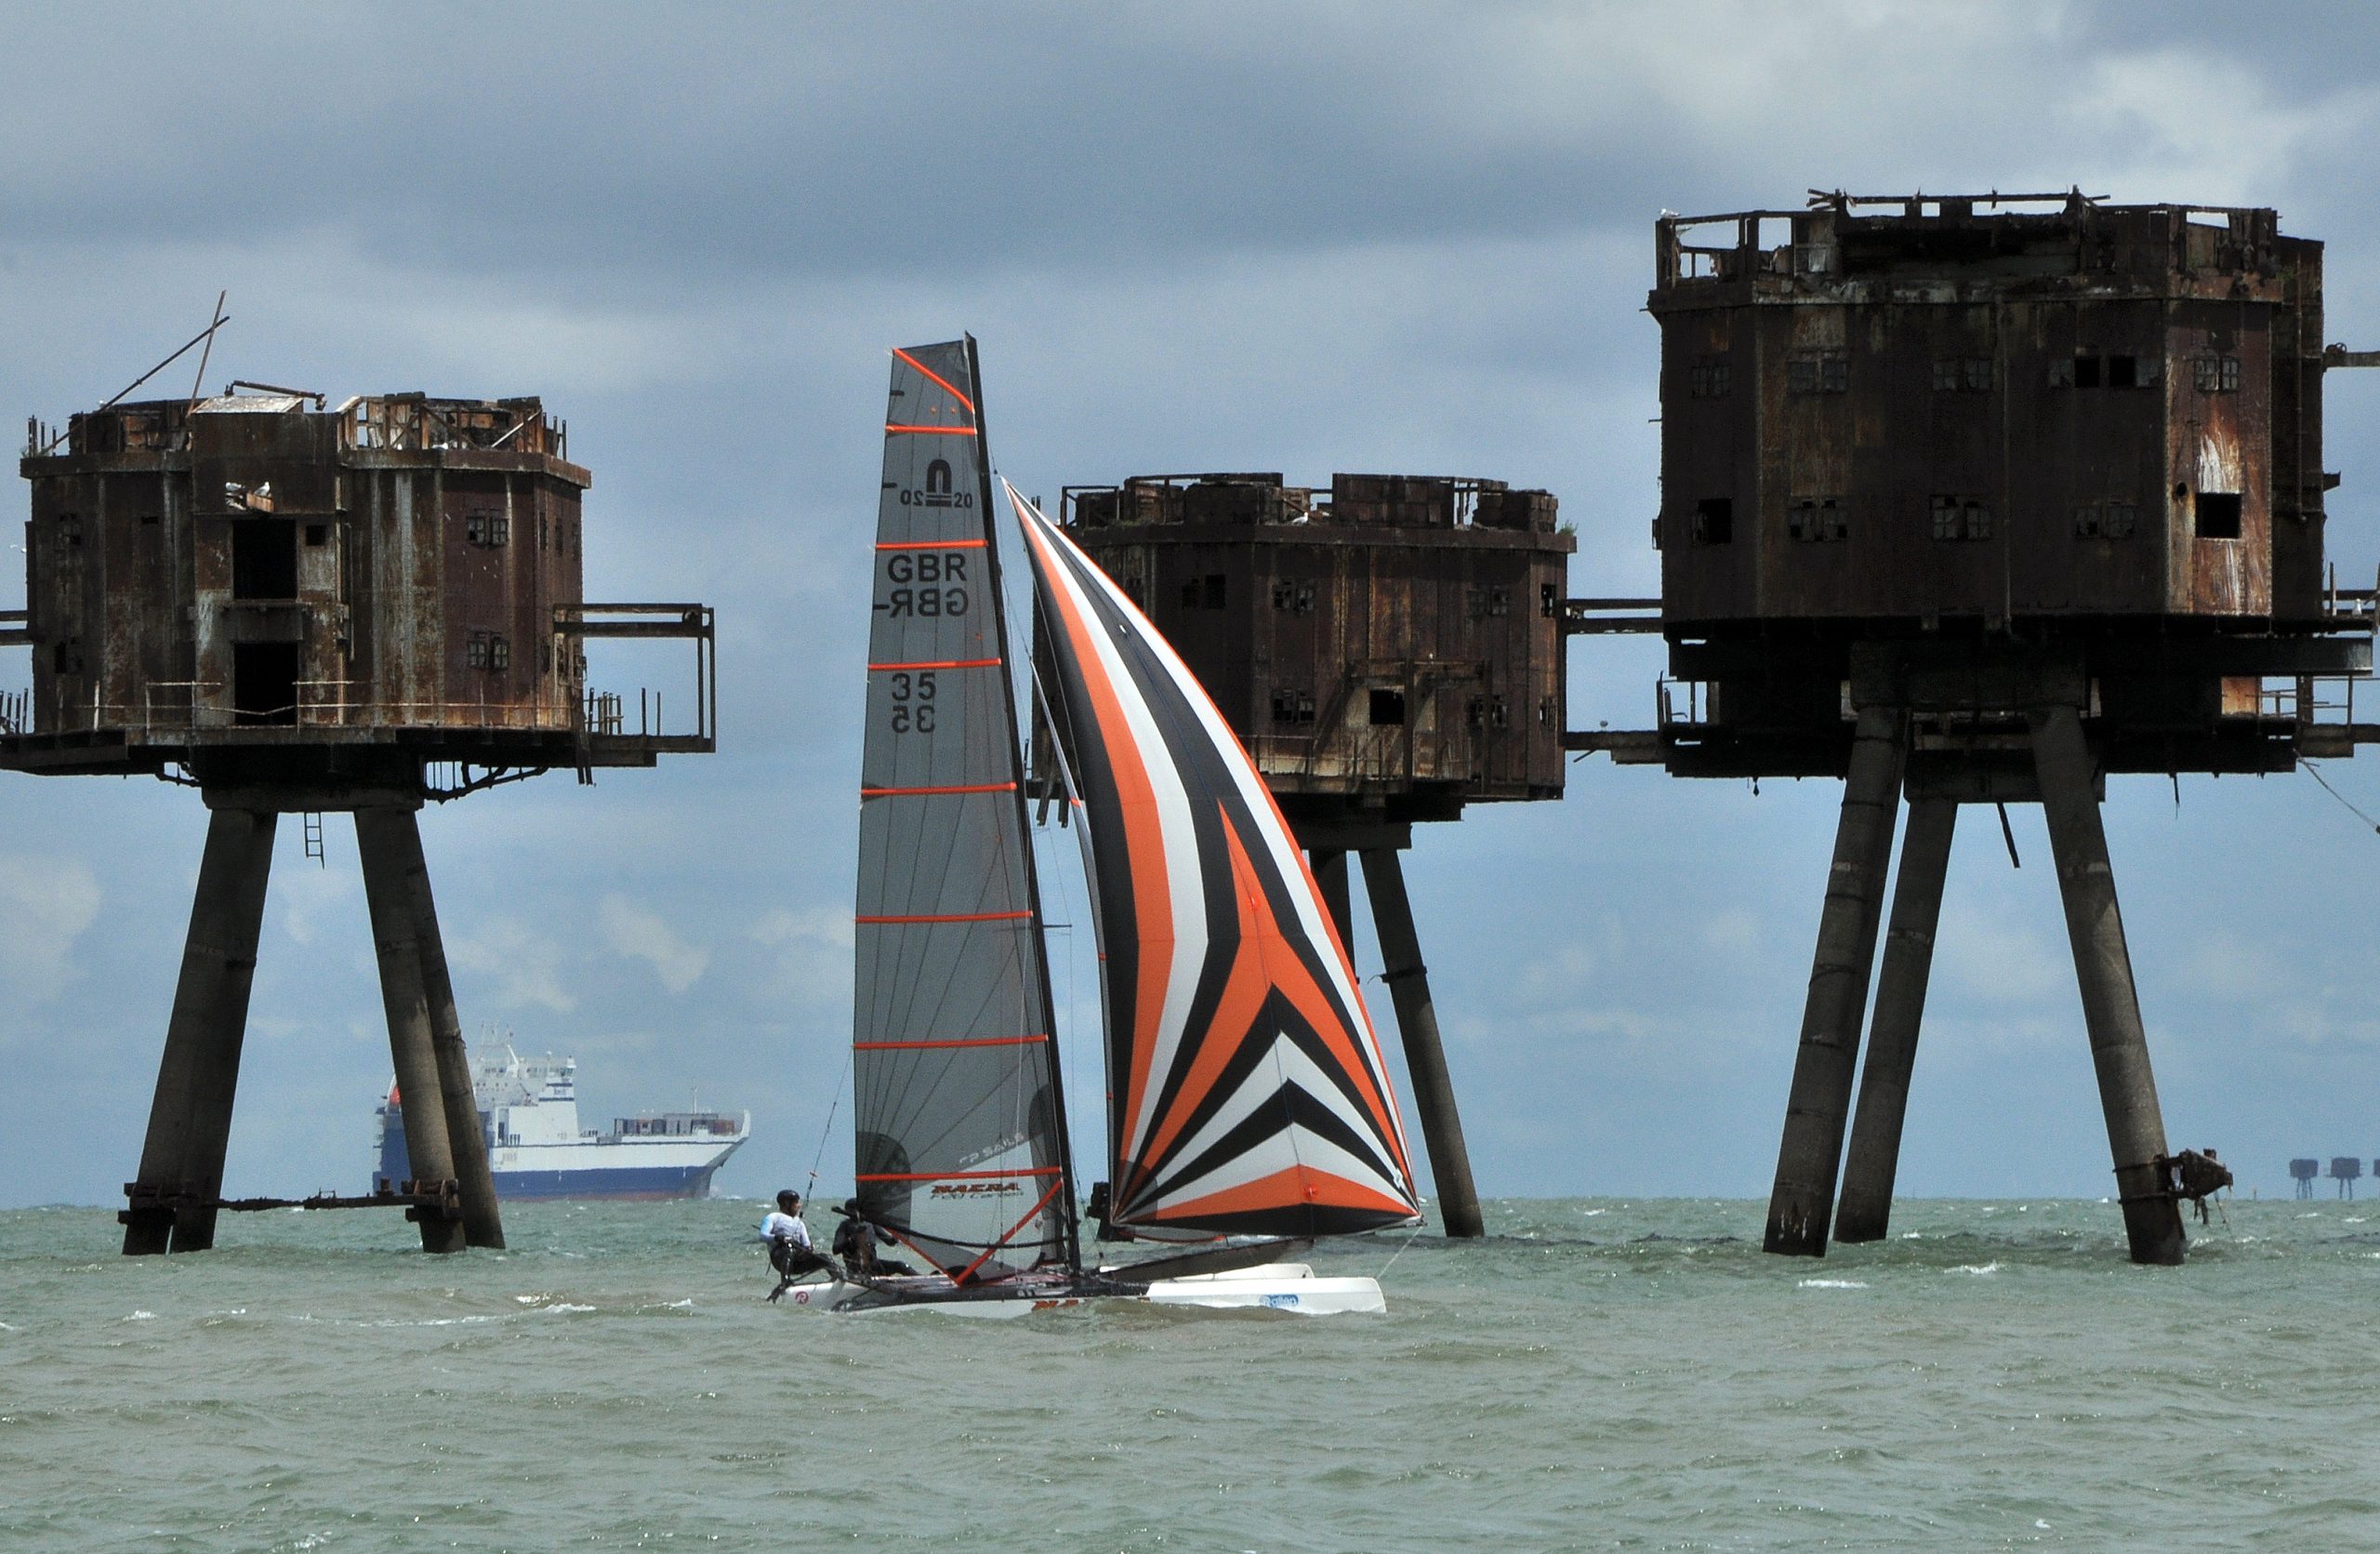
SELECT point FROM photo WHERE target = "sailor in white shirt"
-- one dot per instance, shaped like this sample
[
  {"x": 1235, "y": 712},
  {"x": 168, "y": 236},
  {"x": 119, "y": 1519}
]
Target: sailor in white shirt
[
  {"x": 790, "y": 1253},
  {"x": 787, "y": 1221}
]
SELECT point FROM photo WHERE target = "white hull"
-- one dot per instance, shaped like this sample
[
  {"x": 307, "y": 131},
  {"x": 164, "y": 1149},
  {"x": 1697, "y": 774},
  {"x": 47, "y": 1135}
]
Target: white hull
[{"x": 1280, "y": 1287}]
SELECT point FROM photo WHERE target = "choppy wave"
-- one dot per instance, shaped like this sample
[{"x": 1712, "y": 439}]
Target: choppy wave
[{"x": 1593, "y": 1374}]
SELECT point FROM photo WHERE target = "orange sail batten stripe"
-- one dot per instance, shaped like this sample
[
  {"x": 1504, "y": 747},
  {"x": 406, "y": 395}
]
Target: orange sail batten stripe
[
  {"x": 954, "y": 1175},
  {"x": 932, "y": 431},
  {"x": 935, "y": 663},
  {"x": 966, "y": 788},
  {"x": 949, "y": 917},
  {"x": 949, "y": 1041},
  {"x": 947, "y": 386},
  {"x": 930, "y": 544}
]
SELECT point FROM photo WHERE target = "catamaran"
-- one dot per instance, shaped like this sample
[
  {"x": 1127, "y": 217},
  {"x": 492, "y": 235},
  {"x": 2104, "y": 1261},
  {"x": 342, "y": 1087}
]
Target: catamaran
[{"x": 1249, "y": 1109}]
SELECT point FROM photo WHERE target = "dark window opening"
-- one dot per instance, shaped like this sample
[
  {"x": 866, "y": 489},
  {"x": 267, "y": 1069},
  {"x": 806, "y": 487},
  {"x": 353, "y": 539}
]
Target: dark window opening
[
  {"x": 1387, "y": 707},
  {"x": 1190, "y": 593},
  {"x": 1957, "y": 518},
  {"x": 541, "y": 531},
  {"x": 2215, "y": 375},
  {"x": 1963, "y": 374},
  {"x": 475, "y": 651},
  {"x": 1709, "y": 380},
  {"x": 1213, "y": 587},
  {"x": 1714, "y": 521},
  {"x": 1818, "y": 520},
  {"x": 66, "y": 657},
  {"x": 488, "y": 528},
  {"x": 2086, "y": 372},
  {"x": 1290, "y": 594},
  {"x": 1492, "y": 600},
  {"x": 1549, "y": 600},
  {"x": 70, "y": 528},
  {"x": 2109, "y": 520},
  {"x": 2123, "y": 372},
  {"x": 1486, "y": 712},
  {"x": 264, "y": 682},
  {"x": 499, "y": 651},
  {"x": 264, "y": 559},
  {"x": 149, "y": 518},
  {"x": 318, "y": 534},
  {"x": 2218, "y": 514},
  {"x": 1818, "y": 372},
  {"x": 1292, "y": 706}
]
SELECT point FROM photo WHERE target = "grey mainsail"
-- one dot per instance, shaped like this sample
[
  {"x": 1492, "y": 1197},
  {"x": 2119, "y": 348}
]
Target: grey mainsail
[{"x": 960, "y": 1147}]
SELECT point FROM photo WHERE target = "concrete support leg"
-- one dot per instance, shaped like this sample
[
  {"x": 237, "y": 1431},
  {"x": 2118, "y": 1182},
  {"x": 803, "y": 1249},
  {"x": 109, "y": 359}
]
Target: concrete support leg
[
  {"x": 1425, "y": 1058},
  {"x": 401, "y": 847},
  {"x": 1329, "y": 866},
  {"x": 2152, "y": 1220},
  {"x": 1868, "y": 1169},
  {"x": 1801, "y": 1204},
  {"x": 190, "y": 1121},
  {"x": 412, "y": 1039}
]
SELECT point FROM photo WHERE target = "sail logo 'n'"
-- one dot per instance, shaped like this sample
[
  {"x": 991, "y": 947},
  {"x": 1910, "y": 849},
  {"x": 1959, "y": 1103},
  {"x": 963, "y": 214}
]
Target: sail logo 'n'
[{"x": 1249, "y": 1089}]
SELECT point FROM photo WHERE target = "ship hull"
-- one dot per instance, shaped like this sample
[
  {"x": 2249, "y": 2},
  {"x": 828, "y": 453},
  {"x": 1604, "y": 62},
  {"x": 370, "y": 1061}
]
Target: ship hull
[{"x": 630, "y": 1171}]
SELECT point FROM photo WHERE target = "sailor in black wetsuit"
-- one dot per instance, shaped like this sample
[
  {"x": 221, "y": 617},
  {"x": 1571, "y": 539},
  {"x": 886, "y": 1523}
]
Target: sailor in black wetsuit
[{"x": 856, "y": 1241}]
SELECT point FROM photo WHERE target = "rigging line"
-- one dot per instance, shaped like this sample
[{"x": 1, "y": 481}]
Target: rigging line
[
  {"x": 827, "y": 1131},
  {"x": 1400, "y": 1251},
  {"x": 2312, "y": 771}
]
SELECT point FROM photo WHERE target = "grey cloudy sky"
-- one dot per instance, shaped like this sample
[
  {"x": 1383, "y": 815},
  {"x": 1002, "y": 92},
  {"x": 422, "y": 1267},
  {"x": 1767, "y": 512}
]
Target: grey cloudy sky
[{"x": 1299, "y": 238}]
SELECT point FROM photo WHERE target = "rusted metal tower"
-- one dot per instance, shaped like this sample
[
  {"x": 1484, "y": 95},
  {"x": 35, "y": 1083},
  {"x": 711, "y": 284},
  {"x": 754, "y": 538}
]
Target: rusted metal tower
[
  {"x": 1979, "y": 501},
  {"x": 302, "y": 611},
  {"x": 1389, "y": 648}
]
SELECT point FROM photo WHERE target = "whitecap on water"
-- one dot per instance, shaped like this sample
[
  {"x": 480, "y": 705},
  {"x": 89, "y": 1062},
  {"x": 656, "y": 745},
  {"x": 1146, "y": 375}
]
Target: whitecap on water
[
  {"x": 565, "y": 1306},
  {"x": 1831, "y": 1285},
  {"x": 1978, "y": 1268},
  {"x": 142, "y": 1317}
]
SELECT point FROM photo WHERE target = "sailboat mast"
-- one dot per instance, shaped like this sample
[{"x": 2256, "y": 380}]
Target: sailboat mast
[{"x": 1070, "y": 1216}]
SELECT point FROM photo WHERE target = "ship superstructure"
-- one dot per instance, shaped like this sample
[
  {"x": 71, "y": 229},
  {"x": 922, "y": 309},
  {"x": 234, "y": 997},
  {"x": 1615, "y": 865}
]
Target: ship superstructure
[{"x": 528, "y": 1111}]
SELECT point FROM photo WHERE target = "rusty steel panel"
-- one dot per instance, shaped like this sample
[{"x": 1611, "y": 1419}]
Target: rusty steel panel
[
  {"x": 1947, "y": 411},
  {"x": 1389, "y": 640},
  {"x": 395, "y": 563}
]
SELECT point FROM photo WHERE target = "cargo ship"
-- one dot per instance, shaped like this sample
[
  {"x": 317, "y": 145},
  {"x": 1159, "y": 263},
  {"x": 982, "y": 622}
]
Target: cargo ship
[{"x": 535, "y": 1149}]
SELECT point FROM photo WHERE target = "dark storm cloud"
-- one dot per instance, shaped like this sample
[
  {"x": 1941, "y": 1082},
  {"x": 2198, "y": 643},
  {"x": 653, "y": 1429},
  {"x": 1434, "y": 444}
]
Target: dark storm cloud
[{"x": 1306, "y": 237}]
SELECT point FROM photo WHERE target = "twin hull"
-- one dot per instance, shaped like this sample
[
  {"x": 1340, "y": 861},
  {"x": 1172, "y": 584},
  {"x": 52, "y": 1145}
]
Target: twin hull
[{"x": 1290, "y": 1287}]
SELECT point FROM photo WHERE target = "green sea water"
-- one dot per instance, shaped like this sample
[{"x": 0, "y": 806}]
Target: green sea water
[{"x": 1596, "y": 1373}]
